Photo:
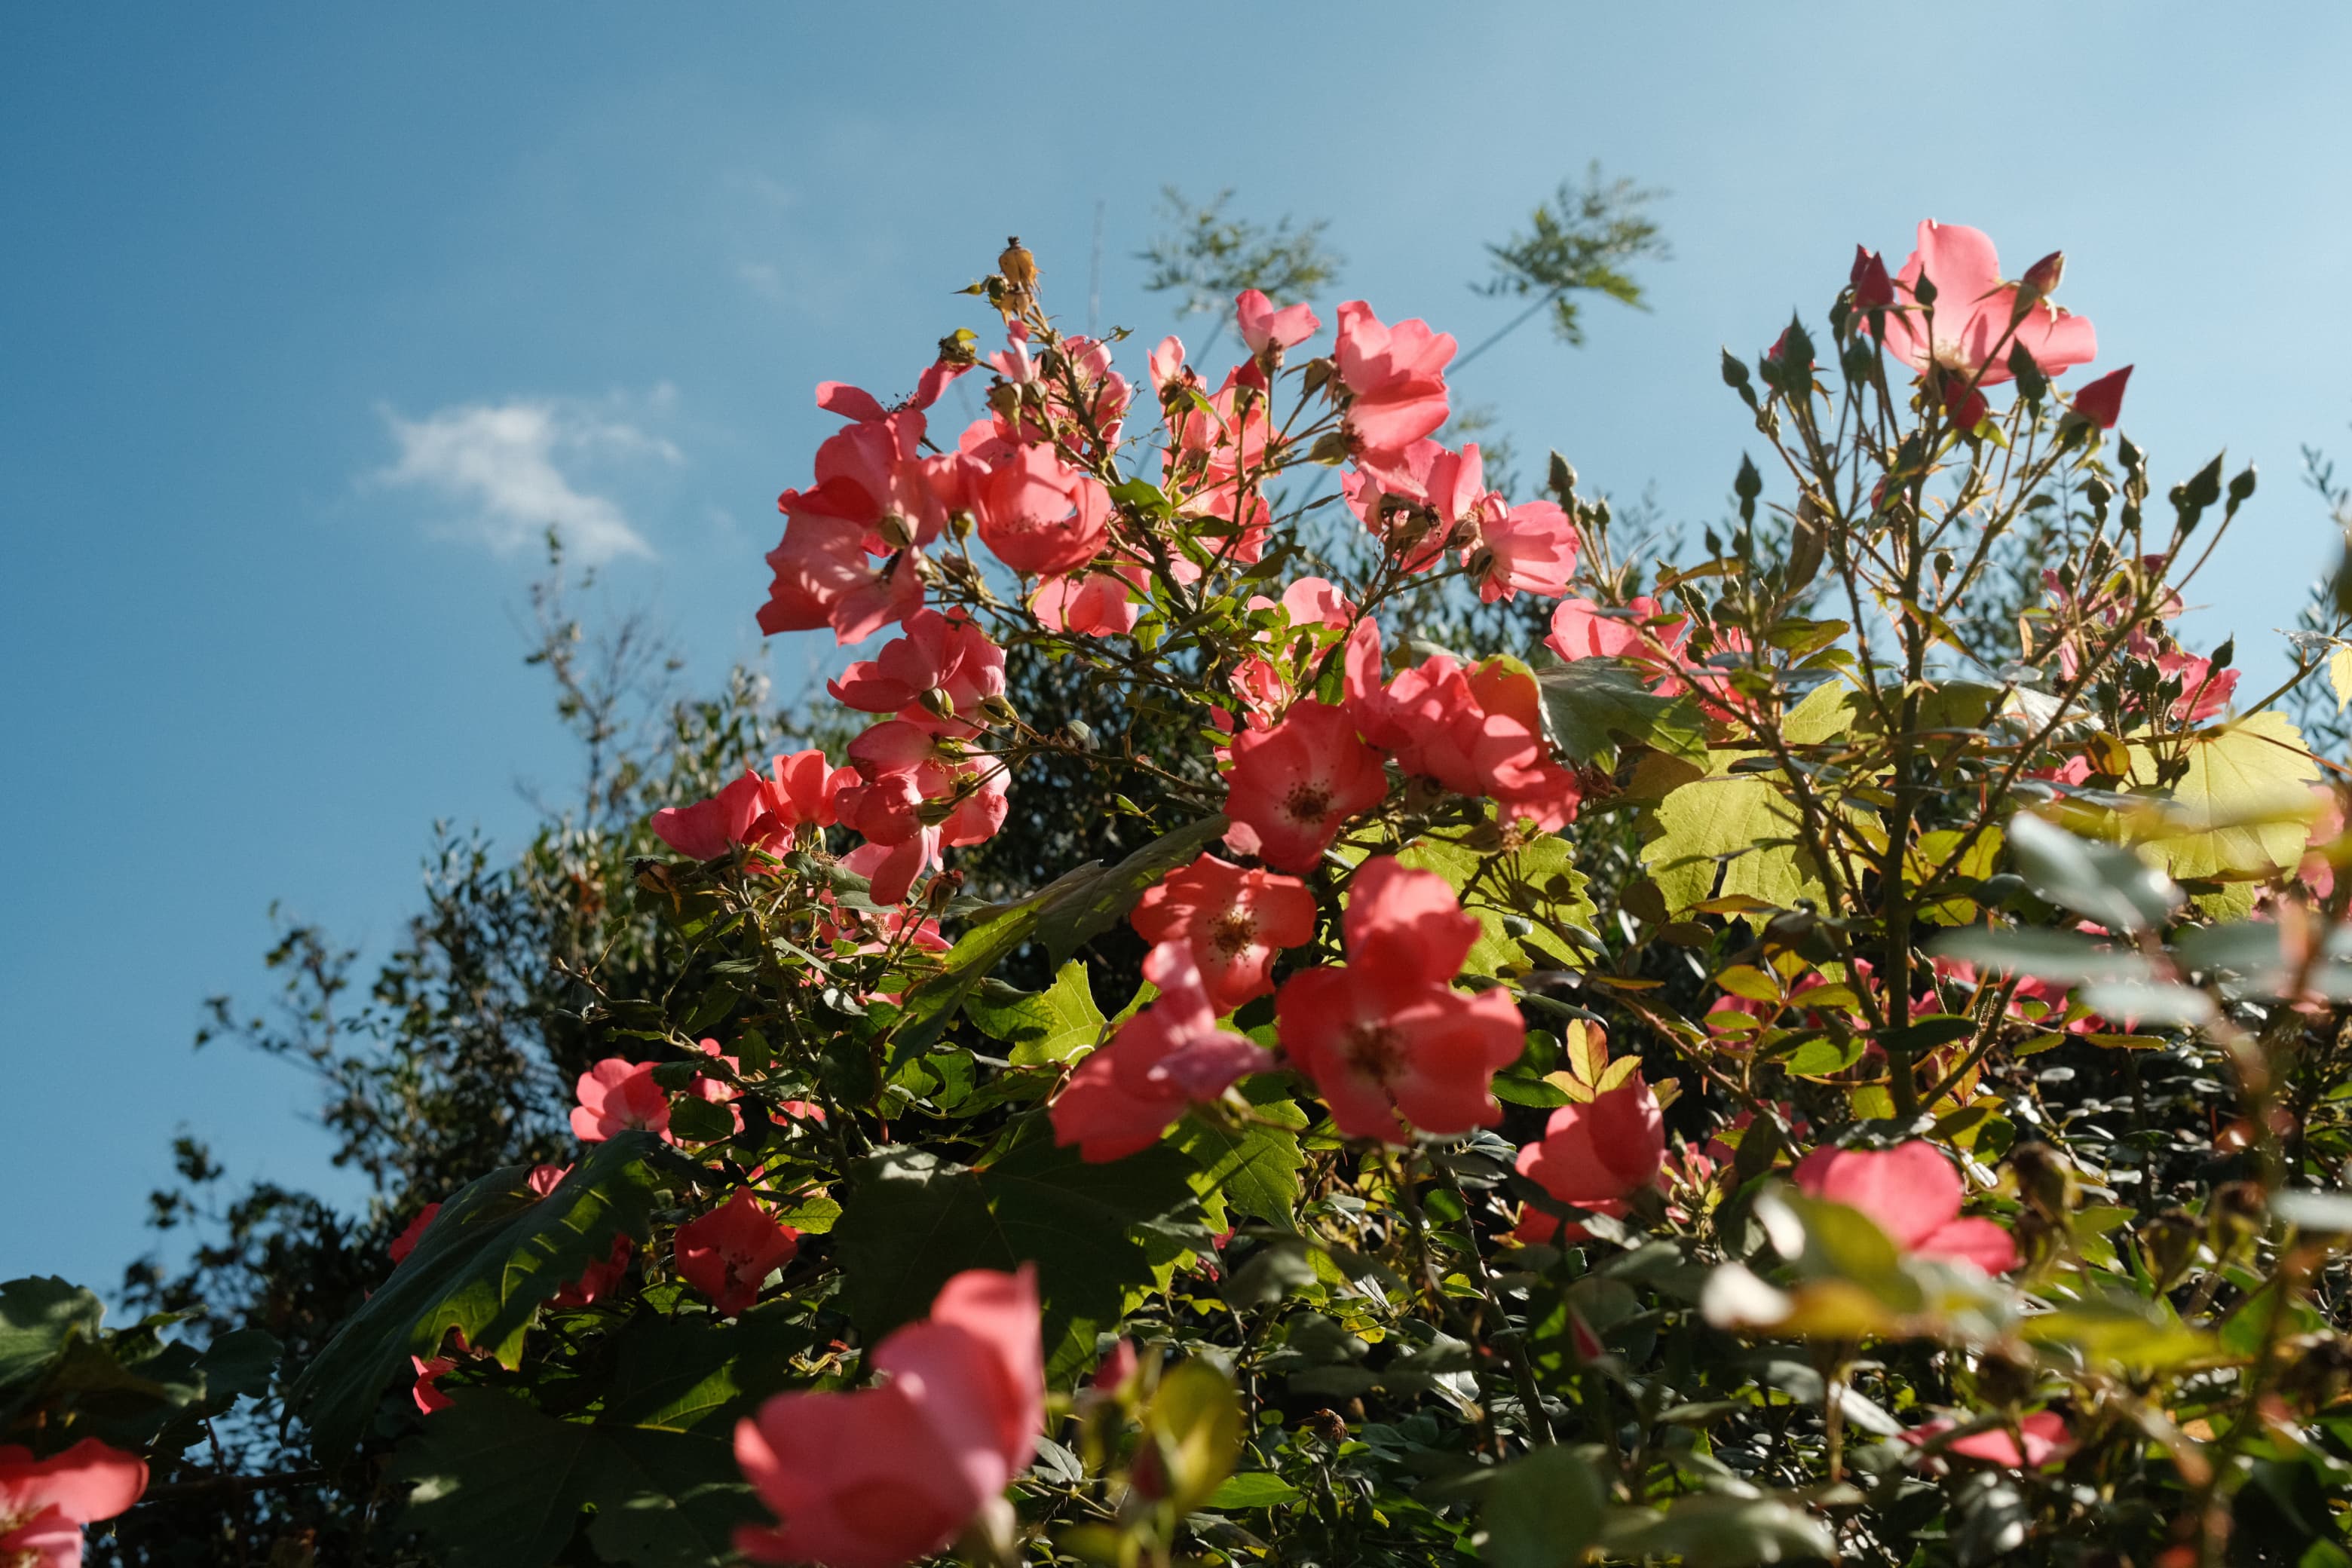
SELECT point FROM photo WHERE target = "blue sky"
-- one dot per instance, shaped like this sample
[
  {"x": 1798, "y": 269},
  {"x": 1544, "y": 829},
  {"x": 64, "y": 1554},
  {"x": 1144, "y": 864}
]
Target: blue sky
[{"x": 311, "y": 313}]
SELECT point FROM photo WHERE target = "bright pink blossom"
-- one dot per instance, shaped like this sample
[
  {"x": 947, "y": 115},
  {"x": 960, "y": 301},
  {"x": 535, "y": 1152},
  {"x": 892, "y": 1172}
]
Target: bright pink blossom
[
  {"x": 1529, "y": 548},
  {"x": 2317, "y": 871},
  {"x": 710, "y": 828},
  {"x": 616, "y": 1095},
  {"x": 1973, "y": 308},
  {"x": 920, "y": 790},
  {"x": 1119, "y": 1364},
  {"x": 414, "y": 1232},
  {"x": 427, "y": 1391},
  {"x": 728, "y": 1252},
  {"x": 1415, "y": 499},
  {"x": 1911, "y": 1193},
  {"x": 1396, "y": 376},
  {"x": 598, "y": 1279},
  {"x": 1475, "y": 730},
  {"x": 1232, "y": 921},
  {"x": 44, "y": 1503},
  {"x": 1264, "y": 327},
  {"x": 755, "y": 812},
  {"x": 2203, "y": 694},
  {"x": 892, "y": 870},
  {"x": 1644, "y": 634},
  {"x": 880, "y": 1476},
  {"x": 2044, "y": 1433},
  {"x": 1040, "y": 515},
  {"x": 938, "y": 657},
  {"x": 1294, "y": 786},
  {"x": 1309, "y": 601},
  {"x": 875, "y": 495},
  {"x": 1088, "y": 604},
  {"x": 1595, "y": 1155},
  {"x": 1167, "y": 1057},
  {"x": 1389, "y": 1042}
]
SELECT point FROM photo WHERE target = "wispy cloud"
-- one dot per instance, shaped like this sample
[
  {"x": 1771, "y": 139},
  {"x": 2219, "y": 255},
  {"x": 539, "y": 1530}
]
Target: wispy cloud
[{"x": 509, "y": 461}]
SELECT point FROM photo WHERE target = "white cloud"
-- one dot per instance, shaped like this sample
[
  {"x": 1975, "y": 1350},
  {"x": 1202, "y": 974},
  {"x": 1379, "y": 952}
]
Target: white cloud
[{"x": 509, "y": 459}]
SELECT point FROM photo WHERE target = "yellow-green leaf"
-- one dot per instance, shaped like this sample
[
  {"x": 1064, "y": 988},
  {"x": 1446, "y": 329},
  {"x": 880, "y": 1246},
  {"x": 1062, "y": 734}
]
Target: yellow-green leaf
[{"x": 2242, "y": 809}]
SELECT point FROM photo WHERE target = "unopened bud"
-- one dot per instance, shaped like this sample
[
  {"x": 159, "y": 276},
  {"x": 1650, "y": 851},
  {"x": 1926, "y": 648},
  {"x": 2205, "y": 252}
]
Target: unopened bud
[
  {"x": 1561, "y": 481},
  {"x": 1004, "y": 398},
  {"x": 1481, "y": 563},
  {"x": 937, "y": 703},
  {"x": 1313, "y": 376},
  {"x": 1080, "y": 731},
  {"x": 998, "y": 708},
  {"x": 1331, "y": 449},
  {"x": 1873, "y": 289},
  {"x": 894, "y": 531},
  {"x": 2041, "y": 280}
]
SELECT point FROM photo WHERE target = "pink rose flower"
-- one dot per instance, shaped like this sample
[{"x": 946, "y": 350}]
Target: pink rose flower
[
  {"x": 727, "y": 1253},
  {"x": 1396, "y": 376},
  {"x": 1294, "y": 786},
  {"x": 1233, "y": 921},
  {"x": 1911, "y": 1193},
  {"x": 44, "y": 1503},
  {"x": 1387, "y": 1039},
  {"x": 1165, "y": 1058},
  {"x": 1595, "y": 1155},
  {"x": 1973, "y": 308},
  {"x": 880, "y": 1476}
]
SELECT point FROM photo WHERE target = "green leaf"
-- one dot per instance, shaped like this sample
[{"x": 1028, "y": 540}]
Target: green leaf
[
  {"x": 1741, "y": 823},
  {"x": 1595, "y": 704},
  {"x": 1827, "y": 711},
  {"x": 695, "y": 1119},
  {"x": 1042, "y": 1027},
  {"x": 1538, "y": 881},
  {"x": 1253, "y": 1171},
  {"x": 2108, "y": 884},
  {"x": 1825, "y": 1058},
  {"x": 38, "y": 1317},
  {"x": 1195, "y": 1425},
  {"x": 493, "y": 1255},
  {"x": 685, "y": 1375},
  {"x": 2120, "y": 1333},
  {"x": 1546, "y": 1511},
  {"x": 1063, "y": 916},
  {"x": 1254, "y": 1489},
  {"x": 1096, "y": 1234},
  {"x": 500, "y": 1485},
  {"x": 2244, "y": 806},
  {"x": 1721, "y": 1529}
]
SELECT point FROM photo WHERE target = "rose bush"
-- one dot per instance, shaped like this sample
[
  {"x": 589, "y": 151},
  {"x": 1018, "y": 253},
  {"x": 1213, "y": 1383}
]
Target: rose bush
[{"x": 1962, "y": 1182}]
